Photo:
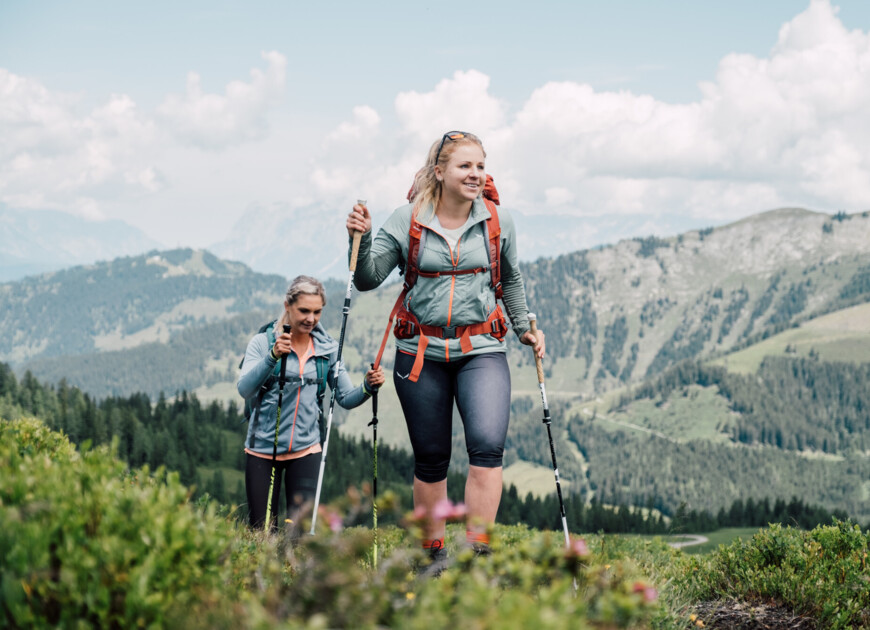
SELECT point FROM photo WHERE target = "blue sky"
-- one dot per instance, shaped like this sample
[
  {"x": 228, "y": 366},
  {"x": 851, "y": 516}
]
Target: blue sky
[{"x": 586, "y": 108}]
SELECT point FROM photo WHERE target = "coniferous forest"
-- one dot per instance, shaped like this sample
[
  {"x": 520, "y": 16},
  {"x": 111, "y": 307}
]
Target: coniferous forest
[{"x": 186, "y": 436}]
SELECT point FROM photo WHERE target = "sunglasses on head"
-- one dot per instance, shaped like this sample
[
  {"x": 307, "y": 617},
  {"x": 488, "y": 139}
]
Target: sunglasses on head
[{"x": 450, "y": 135}]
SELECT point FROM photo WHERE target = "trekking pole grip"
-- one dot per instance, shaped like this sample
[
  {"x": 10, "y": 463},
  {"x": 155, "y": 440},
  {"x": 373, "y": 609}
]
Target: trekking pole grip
[
  {"x": 284, "y": 359},
  {"x": 354, "y": 250},
  {"x": 533, "y": 325}
]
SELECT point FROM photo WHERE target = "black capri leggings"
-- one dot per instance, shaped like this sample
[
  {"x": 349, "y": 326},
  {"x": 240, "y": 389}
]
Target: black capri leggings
[
  {"x": 299, "y": 477},
  {"x": 481, "y": 387}
]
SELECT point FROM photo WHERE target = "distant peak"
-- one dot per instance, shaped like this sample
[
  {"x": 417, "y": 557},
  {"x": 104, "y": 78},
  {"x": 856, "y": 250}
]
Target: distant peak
[{"x": 780, "y": 213}]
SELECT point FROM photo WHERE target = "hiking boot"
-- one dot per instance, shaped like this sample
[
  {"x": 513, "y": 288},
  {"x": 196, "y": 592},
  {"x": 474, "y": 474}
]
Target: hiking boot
[
  {"x": 438, "y": 562},
  {"x": 480, "y": 549}
]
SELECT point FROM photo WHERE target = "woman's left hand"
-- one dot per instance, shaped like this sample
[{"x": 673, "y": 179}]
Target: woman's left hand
[
  {"x": 375, "y": 378},
  {"x": 538, "y": 342}
]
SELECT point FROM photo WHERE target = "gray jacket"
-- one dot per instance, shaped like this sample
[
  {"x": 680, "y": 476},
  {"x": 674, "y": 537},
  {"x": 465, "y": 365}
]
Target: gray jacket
[
  {"x": 448, "y": 300},
  {"x": 299, "y": 410}
]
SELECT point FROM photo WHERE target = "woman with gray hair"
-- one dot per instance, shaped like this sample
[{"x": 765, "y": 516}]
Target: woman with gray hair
[{"x": 312, "y": 357}]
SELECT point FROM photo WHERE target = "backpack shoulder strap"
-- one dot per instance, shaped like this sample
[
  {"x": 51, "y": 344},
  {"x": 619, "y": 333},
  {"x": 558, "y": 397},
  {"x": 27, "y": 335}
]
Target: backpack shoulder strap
[
  {"x": 416, "y": 238},
  {"x": 493, "y": 233},
  {"x": 322, "y": 364}
]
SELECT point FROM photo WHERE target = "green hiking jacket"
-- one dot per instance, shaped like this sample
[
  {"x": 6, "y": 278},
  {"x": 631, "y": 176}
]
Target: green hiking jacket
[{"x": 448, "y": 300}]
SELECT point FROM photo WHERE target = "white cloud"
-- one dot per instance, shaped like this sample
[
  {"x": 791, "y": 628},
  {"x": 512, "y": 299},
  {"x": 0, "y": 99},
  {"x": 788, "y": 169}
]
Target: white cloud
[
  {"x": 55, "y": 154},
  {"x": 787, "y": 129},
  {"x": 461, "y": 103},
  {"x": 364, "y": 126},
  {"x": 213, "y": 121},
  {"x": 558, "y": 196}
]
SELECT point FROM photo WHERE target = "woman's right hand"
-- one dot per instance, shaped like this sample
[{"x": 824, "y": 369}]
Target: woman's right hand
[
  {"x": 359, "y": 220},
  {"x": 283, "y": 344}
]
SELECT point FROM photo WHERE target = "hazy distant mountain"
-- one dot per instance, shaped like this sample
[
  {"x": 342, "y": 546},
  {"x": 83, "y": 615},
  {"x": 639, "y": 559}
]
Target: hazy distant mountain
[
  {"x": 279, "y": 239},
  {"x": 289, "y": 241},
  {"x": 36, "y": 241}
]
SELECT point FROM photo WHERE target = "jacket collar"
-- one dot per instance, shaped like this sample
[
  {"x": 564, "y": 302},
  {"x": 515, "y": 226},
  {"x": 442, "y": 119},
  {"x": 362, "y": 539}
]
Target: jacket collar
[
  {"x": 323, "y": 343},
  {"x": 479, "y": 212}
]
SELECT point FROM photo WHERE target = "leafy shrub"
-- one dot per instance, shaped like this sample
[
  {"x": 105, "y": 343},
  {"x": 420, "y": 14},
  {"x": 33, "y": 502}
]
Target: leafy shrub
[
  {"x": 821, "y": 573},
  {"x": 83, "y": 540}
]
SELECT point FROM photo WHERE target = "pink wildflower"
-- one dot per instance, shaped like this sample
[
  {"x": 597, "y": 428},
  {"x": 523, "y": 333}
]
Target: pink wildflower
[
  {"x": 650, "y": 594},
  {"x": 445, "y": 510},
  {"x": 579, "y": 548},
  {"x": 335, "y": 522}
]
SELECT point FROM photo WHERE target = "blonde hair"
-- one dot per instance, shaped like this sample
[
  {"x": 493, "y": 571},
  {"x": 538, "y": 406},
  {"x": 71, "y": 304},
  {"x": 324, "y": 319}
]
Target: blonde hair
[
  {"x": 301, "y": 285},
  {"x": 426, "y": 191}
]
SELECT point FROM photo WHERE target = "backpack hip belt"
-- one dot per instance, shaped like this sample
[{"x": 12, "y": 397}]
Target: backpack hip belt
[
  {"x": 495, "y": 325},
  {"x": 407, "y": 326}
]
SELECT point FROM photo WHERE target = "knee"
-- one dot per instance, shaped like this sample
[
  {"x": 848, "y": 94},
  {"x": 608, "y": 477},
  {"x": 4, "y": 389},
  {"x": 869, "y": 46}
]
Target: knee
[
  {"x": 431, "y": 469},
  {"x": 486, "y": 457}
]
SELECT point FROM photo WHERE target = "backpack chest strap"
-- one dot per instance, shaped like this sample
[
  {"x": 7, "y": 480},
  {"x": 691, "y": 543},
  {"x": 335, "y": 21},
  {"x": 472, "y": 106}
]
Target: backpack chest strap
[
  {"x": 295, "y": 381},
  {"x": 452, "y": 272}
]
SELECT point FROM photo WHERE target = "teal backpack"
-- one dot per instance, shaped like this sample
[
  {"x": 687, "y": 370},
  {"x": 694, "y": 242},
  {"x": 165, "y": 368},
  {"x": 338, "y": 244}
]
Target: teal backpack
[{"x": 252, "y": 404}]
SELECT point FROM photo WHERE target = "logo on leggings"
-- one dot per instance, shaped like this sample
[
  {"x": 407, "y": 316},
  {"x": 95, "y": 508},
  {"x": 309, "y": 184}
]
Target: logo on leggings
[{"x": 404, "y": 376}]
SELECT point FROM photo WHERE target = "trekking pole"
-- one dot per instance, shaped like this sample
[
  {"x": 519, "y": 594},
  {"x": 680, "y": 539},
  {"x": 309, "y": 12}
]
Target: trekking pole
[
  {"x": 547, "y": 420},
  {"x": 281, "y": 380},
  {"x": 354, "y": 252},
  {"x": 374, "y": 425}
]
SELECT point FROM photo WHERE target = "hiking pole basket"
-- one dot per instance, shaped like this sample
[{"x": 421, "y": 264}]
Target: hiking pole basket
[
  {"x": 281, "y": 380},
  {"x": 345, "y": 311}
]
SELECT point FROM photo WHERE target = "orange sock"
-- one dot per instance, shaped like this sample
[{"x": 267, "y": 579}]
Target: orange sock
[
  {"x": 433, "y": 543},
  {"x": 476, "y": 538}
]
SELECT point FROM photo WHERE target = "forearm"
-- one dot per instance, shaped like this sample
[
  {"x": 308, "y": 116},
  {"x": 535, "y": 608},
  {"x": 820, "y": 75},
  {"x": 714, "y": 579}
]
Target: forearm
[
  {"x": 513, "y": 288},
  {"x": 514, "y": 298},
  {"x": 376, "y": 260},
  {"x": 257, "y": 366},
  {"x": 349, "y": 396}
]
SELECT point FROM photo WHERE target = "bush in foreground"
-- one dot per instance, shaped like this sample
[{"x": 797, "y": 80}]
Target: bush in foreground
[
  {"x": 82, "y": 539},
  {"x": 822, "y": 573},
  {"x": 85, "y": 541}
]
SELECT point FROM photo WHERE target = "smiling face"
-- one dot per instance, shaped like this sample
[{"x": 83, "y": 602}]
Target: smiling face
[
  {"x": 463, "y": 177},
  {"x": 304, "y": 313}
]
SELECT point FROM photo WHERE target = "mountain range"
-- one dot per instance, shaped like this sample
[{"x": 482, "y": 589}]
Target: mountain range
[
  {"x": 37, "y": 241},
  {"x": 269, "y": 238},
  {"x": 618, "y": 319}
]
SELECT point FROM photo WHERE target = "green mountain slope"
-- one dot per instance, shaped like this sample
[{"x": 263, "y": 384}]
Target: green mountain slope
[
  {"x": 843, "y": 335},
  {"x": 788, "y": 282},
  {"x": 612, "y": 316}
]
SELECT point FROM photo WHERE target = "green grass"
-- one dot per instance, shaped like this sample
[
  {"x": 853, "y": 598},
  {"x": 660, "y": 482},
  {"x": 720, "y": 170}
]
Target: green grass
[
  {"x": 839, "y": 336},
  {"x": 696, "y": 413},
  {"x": 538, "y": 480},
  {"x": 724, "y": 536},
  {"x": 231, "y": 475}
]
